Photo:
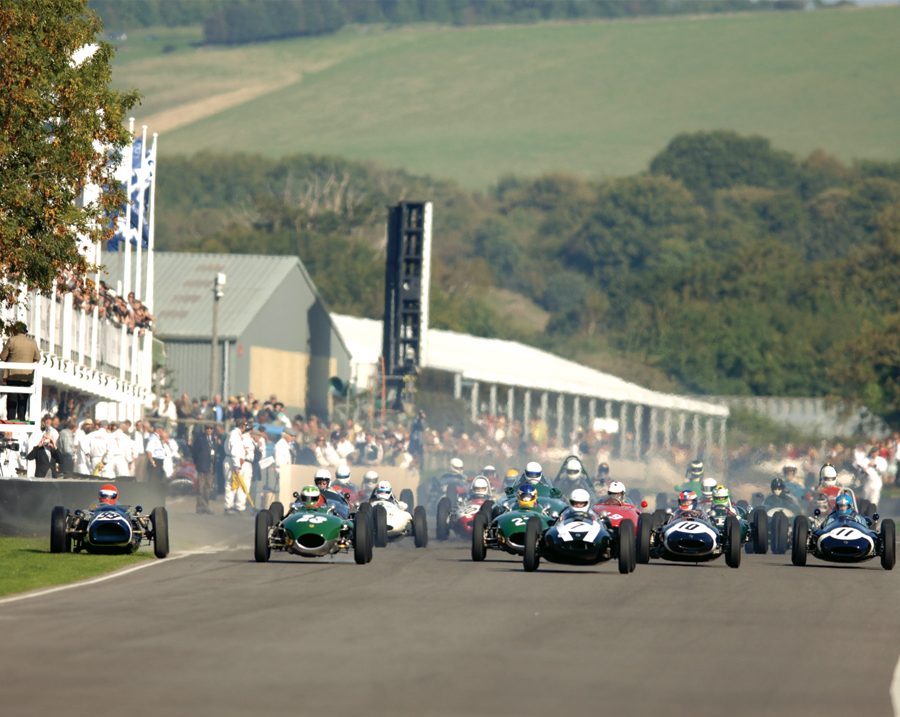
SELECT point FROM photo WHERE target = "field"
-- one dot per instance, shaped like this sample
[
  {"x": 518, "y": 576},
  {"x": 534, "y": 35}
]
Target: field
[
  {"x": 27, "y": 564},
  {"x": 595, "y": 98}
]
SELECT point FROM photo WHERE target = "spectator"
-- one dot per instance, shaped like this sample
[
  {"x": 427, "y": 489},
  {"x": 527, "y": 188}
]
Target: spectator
[
  {"x": 46, "y": 457},
  {"x": 156, "y": 455},
  {"x": 19, "y": 348},
  {"x": 66, "y": 446}
]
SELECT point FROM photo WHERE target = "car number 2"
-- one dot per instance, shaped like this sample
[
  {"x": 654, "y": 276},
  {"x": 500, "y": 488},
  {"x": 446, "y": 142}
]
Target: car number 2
[{"x": 311, "y": 518}]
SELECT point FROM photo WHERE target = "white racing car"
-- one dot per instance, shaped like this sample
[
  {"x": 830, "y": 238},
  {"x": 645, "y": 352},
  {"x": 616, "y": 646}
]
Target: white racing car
[{"x": 391, "y": 520}]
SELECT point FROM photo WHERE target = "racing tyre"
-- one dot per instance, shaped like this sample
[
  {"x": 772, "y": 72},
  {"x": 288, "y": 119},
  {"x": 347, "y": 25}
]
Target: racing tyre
[
  {"x": 889, "y": 545},
  {"x": 531, "y": 559},
  {"x": 780, "y": 528},
  {"x": 406, "y": 496},
  {"x": 743, "y": 505},
  {"x": 658, "y": 518},
  {"x": 732, "y": 542},
  {"x": 642, "y": 546},
  {"x": 362, "y": 537},
  {"x": 662, "y": 501},
  {"x": 479, "y": 525},
  {"x": 626, "y": 547},
  {"x": 452, "y": 492},
  {"x": 487, "y": 507},
  {"x": 442, "y": 526},
  {"x": 277, "y": 511},
  {"x": 420, "y": 527},
  {"x": 379, "y": 518},
  {"x": 59, "y": 542},
  {"x": 159, "y": 518},
  {"x": 871, "y": 509},
  {"x": 799, "y": 543},
  {"x": 366, "y": 509},
  {"x": 759, "y": 531},
  {"x": 261, "y": 549}
]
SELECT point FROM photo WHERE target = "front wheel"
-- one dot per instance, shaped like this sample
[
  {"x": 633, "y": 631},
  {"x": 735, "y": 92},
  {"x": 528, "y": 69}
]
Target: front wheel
[
  {"x": 800, "y": 540},
  {"x": 479, "y": 526},
  {"x": 732, "y": 542},
  {"x": 379, "y": 517},
  {"x": 159, "y": 518},
  {"x": 888, "y": 544},
  {"x": 626, "y": 547},
  {"x": 531, "y": 559},
  {"x": 642, "y": 546},
  {"x": 406, "y": 496},
  {"x": 277, "y": 511},
  {"x": 362, "y": 537},
  {"x": 442, "y": 526},
  {"x": 420, "y": 527},
  {"x": 759, "y": 531},
  {"x": 779, "y": 533},
  {"x": 58, "y": 541},
  {"x": 261, "y": 549}
]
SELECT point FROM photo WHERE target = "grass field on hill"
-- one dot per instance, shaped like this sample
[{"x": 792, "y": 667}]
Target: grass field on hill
[{"x": 596, "y": 98}]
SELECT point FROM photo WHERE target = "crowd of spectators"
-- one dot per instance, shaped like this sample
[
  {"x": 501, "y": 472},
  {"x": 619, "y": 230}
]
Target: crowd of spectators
[{"x": 121, "y": 311}]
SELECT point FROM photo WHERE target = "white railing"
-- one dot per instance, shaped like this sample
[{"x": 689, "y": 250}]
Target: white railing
[{"x": 34, "y": 391}]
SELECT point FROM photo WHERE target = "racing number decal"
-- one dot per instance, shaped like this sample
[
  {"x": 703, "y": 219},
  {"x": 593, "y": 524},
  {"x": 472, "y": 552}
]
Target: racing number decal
[
  {"x": 110, "y": 515},
  {"x": 312, "y": 518},
  {"x": 615, "y": 516},
  {"x": 519, "y": 522}
]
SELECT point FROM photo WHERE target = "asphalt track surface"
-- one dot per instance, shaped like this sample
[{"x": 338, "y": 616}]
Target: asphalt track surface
[{"x": 428, "y": 632}]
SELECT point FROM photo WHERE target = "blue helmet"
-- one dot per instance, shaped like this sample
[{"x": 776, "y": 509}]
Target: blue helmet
[
  {"x": 843, "y": 504},
  {"x": 526, "y": 495}
]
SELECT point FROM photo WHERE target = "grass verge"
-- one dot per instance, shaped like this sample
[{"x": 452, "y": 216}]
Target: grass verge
[{"x": 27, "y": 564}]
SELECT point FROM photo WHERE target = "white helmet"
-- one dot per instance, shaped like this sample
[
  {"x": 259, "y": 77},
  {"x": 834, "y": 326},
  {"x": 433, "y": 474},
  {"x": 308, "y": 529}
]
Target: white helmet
[
  {"x": 534, "y": 472},
  {"x": 580, "y": 499},
  {"x": 489, "y": 471},
  {"x": 616, "y": 490},
  {"x": 707, "y": 485},
  {"x": 828, "y": 475},
  {"x": 383, "y": 490},
  {"x": 370, "y": 478},
  {"x": 456, "y": 465},
  {"x": 322, "y": 474},
  {"x": 573, "y": 467},
  {"x": 481, "y": 487},
  {"x": 342, "y": 474}
]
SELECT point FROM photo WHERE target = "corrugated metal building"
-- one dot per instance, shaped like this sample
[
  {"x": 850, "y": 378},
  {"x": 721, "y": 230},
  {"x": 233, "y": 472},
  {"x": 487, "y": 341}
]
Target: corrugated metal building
[{"x": 276, "y": 335}]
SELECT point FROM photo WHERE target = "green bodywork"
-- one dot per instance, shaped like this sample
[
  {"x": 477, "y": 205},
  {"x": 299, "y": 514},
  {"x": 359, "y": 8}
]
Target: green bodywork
[
  {"x": 318, "y": 521},
  {"x": 548, "y": 497}
]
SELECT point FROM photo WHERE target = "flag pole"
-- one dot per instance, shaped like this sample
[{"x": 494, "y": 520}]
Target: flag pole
[
  {"x": 140, "y": 231},
  {"x": 151, "y": 226},
  {"x": 126, "y": 230}
]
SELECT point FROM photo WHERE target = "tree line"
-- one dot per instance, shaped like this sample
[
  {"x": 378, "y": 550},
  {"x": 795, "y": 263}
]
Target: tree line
[
  {"x": 730, "y": 266},
  {"x": 242, "y": 21}
]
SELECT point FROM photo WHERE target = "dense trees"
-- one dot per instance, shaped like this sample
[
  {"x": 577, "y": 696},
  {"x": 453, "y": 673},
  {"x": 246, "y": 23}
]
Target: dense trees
[
  {"x": 60, "y": 128},
  {"x": 732, "y": 267}
]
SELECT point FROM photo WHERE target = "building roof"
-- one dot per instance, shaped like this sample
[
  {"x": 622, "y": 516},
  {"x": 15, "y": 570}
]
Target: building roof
[
  {"x": 183, "y": 291},
  {"x": 510, "y": 363}
]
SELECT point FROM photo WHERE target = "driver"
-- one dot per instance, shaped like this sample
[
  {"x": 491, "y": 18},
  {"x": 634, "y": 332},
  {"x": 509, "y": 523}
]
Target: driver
[
  {"x": 457, "y": 467},
  {"x": 480, "y": 488},
  {"x": 533, "y": 474},
  {"x": 721, "y": 500},
  {"x": 385, "y": 492},
  {"x": 828, "y": 488},
  {"x": 843, "y": 508},
  {"x": 490, "y": 473},
  {"x": 108, "y": 494},
  {"x": 579, "y": 505},
  {"x": 706, "y": 492},
  {"x": 687, "y": 505},
  {"x": 335, "y": 500},
  {"x": 526, "y": 497},
  {"x": 511, "y": 478},
  {"x": 779, "y": 498},
  {"x": 342, "y": 479},
  {"x": 615, "y": 494},
  {"x": 573, "y": 476},
  {"x": 311, "y": 498}
]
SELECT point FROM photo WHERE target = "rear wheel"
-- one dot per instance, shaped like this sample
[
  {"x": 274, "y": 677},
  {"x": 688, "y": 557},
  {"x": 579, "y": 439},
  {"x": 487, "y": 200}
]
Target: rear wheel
[
  {"x": 420, "y": 527},
  {"x": 159, "y": 518},
  {"x": 626, "y": 546},
  {"x": 261, "y": 550},
  {"x": 379, "y": 517},
  {"x": 362, "y": 537},
  {"x": 58, "y": 541},
  {"x": 442, "y": 526},
  {"x": 659, "y": 518},
  {"x": 799, "y": 543},
  {"x": 888, "y": 544},
  {"x": 531, "y": 559},
  {"x": 406, "y": 496},
  {"x": 452, "y": 493},
  {"x": 277, "y": 511},
  {"x": 759, "y": 531},
  {"x": 479, "y": 525},
  {"x": 732, "y": 542},
  {"x": 642, "y": 546}
]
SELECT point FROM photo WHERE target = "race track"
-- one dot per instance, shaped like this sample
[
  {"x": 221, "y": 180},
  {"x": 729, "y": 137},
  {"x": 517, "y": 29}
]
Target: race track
[{"x": 428, "y": 632}]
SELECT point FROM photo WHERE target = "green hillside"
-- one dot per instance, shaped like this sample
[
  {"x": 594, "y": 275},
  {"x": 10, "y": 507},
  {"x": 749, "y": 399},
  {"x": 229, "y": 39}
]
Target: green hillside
[{"x": 595, "y": 98}]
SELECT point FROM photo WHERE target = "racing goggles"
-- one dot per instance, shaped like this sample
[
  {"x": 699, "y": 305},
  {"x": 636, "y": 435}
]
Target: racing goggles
[
  {"x": 579, "y": 505},
  {"x": 109, "y": 494},
  {"x": 573, "y": 473},
  {"x": 532, "y": 476},
  {"x": 383, "y": 492}
]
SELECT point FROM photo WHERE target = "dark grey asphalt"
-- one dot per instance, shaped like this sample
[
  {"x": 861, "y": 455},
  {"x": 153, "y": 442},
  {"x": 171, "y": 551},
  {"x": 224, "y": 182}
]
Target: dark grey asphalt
[{"x": 427, "y": 632}]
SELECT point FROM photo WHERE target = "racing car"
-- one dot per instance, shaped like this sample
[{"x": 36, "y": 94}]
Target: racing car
[
  {"x": 456, "y": 513},
  {"x": 392, "y": 521},
  {"x": 579, "y": 539},
  {"x": 689, "y": 536},
  {"x": 506, "y": 531},
  {"x": 109, "y": 529},
  {"x": 844, "y": 538},
  {"x": 312, "y": 531}
]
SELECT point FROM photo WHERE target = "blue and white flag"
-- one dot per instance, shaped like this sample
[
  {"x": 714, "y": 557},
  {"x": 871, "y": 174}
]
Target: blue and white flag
[{"x": 139, "y": 179}]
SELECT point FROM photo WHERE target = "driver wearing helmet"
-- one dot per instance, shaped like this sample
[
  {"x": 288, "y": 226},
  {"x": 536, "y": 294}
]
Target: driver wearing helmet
[
  {"x": 311, "y": 498},
  {"x": 342, "y": 481},
  {"x": 780, "y": 498},
  {"x": 369, "y": 481},
  {"x": 457, "y": 467},
  {"x": 385, "y": 492},
  {"x": 828, "y": 488},
  {"x": 579, "y": 506},
  {"x": 572, "y": 476},
  {"x": 615, "y": 494},
  {"x": 480, "y": 489},
  {"x": 721, "y": 501},
  {"x": 511, "y": 478},
  {"x": 108, "y": 494},
  {"x": 707, "y": 484},
  {"x": 843, "y": 508},
  {"x": 687, "y": 505},
  {"x": 335, "y": 500},
  {"x": 490, "y": 472},
  {"x": 526, "y": 497},
  {"x": 533, "y": 474}
]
